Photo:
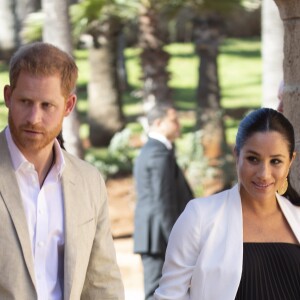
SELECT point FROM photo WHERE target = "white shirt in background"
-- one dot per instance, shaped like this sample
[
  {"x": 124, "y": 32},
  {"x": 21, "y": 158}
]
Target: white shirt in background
[{"x": 161, "y": 138}]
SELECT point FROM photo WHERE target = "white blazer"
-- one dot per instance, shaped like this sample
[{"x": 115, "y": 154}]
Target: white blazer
[{"x": 205, "y": 250}]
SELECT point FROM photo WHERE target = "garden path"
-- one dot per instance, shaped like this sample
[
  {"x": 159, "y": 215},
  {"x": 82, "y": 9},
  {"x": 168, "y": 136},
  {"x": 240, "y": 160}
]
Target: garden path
[{"x": 121, "y": 207}]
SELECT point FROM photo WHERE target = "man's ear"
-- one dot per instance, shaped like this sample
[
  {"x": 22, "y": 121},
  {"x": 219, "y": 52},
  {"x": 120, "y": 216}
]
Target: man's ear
[
  {"x": 156, "y": 122},
  {"x": 7, "y": 94},
  {"x": 70, "y": 104}
]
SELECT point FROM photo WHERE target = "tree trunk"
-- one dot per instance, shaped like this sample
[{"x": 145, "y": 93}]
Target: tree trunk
[
  {"x": 105, "y": 107},
  {"x": 154, "y": 60},
  {"x": 25, "y": 7},
  {"x": 57, "y": 31},
  {"x": 121, "y": 65},
  {"x": 9, "y": 40},
  {"x": 209, "y": 111},
  {"x": 290, "y": 14},
  {"x": 272, "y": 53}
]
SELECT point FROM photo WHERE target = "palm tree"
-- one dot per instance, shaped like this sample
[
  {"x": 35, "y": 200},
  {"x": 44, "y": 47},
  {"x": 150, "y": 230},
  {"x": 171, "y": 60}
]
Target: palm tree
[
  {"x": 154, "y": 16},
  {"x": 105, "y": 108},
  {"x": 57, "y": 31},
  {"x": 154, "y": 59},
  {"x": 103, "y": 21},
  {"x": 207, "y": 32}
]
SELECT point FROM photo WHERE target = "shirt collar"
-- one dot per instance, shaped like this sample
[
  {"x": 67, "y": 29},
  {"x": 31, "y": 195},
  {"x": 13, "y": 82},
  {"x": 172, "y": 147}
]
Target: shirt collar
[
  {"x": 161, "y": 138},
  {"x": 18, "y": 159}
]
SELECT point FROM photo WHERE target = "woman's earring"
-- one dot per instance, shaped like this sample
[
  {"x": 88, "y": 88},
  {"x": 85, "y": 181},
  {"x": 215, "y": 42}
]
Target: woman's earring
[{"x": 283, "y": 188}]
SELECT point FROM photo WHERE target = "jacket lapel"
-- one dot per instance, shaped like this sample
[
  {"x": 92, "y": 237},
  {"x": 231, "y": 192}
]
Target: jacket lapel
[
  {"x": 291, "y": 213},
  {"x": 75, "y": 213},
  {"x": 12, "y": 198},
  {"x": 71, "y": 215}
]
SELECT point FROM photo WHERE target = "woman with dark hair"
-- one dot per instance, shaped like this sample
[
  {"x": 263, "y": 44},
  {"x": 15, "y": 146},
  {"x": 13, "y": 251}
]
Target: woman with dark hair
[{"x": 242, "y": 243}]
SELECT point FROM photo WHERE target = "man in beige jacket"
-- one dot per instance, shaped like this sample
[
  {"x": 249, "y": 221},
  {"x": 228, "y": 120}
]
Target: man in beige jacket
[{"x": 55, "y": 240}]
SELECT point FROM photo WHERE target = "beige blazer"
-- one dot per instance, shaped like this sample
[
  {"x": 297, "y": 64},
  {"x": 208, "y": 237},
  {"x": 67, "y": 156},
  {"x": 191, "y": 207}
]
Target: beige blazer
[
  {"x": 205, "y": 250},
  {"x": 90, "y": 269}
]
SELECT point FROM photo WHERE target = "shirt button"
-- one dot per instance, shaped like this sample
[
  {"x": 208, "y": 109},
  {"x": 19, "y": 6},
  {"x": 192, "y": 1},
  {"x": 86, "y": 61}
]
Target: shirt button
[{"x": 41, "y": 244}]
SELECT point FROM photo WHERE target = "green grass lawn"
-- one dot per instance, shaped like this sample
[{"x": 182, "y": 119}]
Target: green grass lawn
[
  {"x": 239, "y": 72},
  {"x": 239, "y": 75}
]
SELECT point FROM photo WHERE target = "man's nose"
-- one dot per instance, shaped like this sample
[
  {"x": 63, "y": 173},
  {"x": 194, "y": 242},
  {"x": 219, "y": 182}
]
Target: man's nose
[{"x": 34, "y": 114}]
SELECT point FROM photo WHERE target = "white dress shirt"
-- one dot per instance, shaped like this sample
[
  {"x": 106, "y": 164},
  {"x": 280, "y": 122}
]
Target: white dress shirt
[
  {"x": 161, "y": 138},
  {"x": 44, "y": 213}
]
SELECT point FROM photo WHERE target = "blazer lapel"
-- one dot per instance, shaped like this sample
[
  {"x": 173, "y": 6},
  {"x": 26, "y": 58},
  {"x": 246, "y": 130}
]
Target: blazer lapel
[
  {"x": 291, "y": 213},
  {"x": 71, "y": 216},
  {"x": 75, "y": 213},
  {"x": 12, "y": 198}
]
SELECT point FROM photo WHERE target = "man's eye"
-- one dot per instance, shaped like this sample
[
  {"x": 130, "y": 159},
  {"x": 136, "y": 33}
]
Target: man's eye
[
  {"x": 47, "y": 105},
  {"x": 25, "y": 101}
]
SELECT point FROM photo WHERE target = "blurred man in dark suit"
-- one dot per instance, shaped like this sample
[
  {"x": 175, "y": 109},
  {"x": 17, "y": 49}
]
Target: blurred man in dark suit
[{"x": 162, "y": 193}]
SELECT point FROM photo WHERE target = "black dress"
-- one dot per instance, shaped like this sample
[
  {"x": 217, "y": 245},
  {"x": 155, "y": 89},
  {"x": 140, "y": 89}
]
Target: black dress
[{"x": 271, "y": 271}]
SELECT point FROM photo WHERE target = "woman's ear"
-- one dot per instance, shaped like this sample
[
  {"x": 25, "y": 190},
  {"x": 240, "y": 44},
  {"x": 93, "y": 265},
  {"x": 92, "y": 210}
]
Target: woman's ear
[
  {"x": 236, "y": 155},
  {"x": 235, "y": 152},
  {"x": 293, "y": 158}
]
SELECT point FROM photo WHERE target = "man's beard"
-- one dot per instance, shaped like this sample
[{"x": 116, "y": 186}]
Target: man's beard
[{"x": 34, "y": 144}]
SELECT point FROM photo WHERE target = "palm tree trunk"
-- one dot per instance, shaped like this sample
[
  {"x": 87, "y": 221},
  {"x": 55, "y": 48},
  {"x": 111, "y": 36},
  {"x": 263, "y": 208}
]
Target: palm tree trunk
[
  {"x": 154, "y": 60},
  {"x": 209, "y": 111},
  {"x": 121, "y": 65},
  {"x": 104, "y": 96}
]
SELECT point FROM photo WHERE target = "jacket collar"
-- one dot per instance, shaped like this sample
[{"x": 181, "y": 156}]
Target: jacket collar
[
  {"x": 291, "y": 213},
  {"x": 12, "y": 198}
]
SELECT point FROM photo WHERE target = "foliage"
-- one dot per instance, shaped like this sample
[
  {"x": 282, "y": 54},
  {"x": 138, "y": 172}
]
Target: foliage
[
  {"x": 85, "y": 16},
  {"x": 88, "y": 14},
  {"x": 119, "y": 156},
  {"x": 164, "y": 7},
  {"x": 213, "y": 6},
  {"x": 251, "y": 5},
  {"x": 32, "y": 29},
  {"x": 195, "y": 164},
  {"x": 192, "y": 160},
  {"x": 239, "y": 70}
]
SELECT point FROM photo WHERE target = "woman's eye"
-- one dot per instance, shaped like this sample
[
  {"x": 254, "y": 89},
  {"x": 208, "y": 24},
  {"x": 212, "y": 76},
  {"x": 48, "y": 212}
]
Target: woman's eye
[
  {"x": 252, "y": 159},
  {"x": 275, "y": 161}
]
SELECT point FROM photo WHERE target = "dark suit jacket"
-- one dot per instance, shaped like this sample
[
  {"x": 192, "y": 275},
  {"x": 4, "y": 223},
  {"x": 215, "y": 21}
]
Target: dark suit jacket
[
  {"x": 90, "y": 269},
  {"x": 162, "y": 193}
]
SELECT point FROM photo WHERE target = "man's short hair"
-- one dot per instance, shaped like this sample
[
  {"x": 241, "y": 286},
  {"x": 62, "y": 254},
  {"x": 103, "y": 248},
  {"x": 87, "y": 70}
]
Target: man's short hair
[
  {"x": 158, "y": 111},
  {"x": 43, "y": 59}
]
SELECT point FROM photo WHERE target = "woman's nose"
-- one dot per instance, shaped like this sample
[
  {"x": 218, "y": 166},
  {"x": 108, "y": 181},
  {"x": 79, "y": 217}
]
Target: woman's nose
[{"x": 264, "y": 170}]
